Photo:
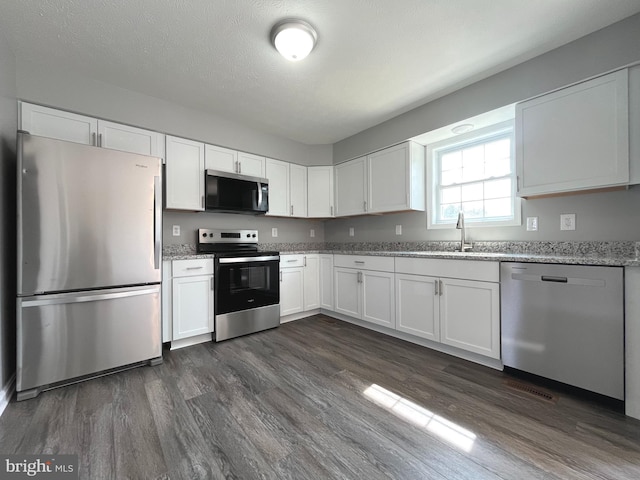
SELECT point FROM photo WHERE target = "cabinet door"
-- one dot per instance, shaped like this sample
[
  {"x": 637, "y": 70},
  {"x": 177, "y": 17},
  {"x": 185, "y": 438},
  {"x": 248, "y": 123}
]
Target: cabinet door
[
  {"x": 291, "y": 290},
  {"x": 130, "y": 139},
  {"x": 311, "y": 282},
  {"x": 576, "y": 138},
  {"x": 192, "y": 306},
  {"x": 418, "y": 306},
  {"x": 351, "y": 187},
  {"x": 277, "y": 173},
  {"x": 52, "y": 123},
  {"x": 298, "y": 190},
  {"x": 378, "y": 298},
  {"x": 320, "y": 192},
  {"x": 388, "y": 179},
  {"x": 470, "y": 316},
  {"x": 221, "y": 159},
  {"x": 326, "y": 282},
  {"x": 348, "y": 299},
  {"x": 249, "y": 164},
  {"x": 185, "y": 174}
]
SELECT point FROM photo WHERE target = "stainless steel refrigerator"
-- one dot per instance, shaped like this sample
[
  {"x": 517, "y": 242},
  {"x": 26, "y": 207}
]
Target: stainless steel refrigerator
[{"x": 89, "y": 245}]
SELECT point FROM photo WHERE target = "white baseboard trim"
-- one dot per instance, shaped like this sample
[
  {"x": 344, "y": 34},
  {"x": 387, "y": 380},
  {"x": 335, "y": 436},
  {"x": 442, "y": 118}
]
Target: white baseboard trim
[
  {"x": 7, "y": 393},
  {"x": 298, "y": 316},
  {"x": 187, "y": 342}
]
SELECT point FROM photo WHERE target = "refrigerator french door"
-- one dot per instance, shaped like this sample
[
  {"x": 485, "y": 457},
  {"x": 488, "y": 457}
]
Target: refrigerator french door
[{"x": 89, "y": 246}]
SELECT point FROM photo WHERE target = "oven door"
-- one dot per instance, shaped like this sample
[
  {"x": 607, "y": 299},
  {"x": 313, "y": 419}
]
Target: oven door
[{"x": 244, "y": 283}]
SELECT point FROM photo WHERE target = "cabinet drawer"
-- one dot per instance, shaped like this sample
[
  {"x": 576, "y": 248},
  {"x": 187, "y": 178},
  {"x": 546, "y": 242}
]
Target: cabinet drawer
[
  {"x": 290, "y": 261},
  {"x": 439, "y": 267},
  {"x": 187, "y": 268},
  {"x": 364, "y": 262}
]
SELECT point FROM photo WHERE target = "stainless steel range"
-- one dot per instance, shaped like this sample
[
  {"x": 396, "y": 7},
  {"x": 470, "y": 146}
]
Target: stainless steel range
[{"x": 247, "y": 287}]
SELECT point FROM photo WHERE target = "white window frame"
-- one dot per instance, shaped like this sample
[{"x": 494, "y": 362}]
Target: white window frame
[{"x": 433, "y": 176}]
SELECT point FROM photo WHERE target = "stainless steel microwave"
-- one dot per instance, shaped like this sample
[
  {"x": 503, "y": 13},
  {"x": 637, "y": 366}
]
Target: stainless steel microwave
[{"x": 233, "y": 193}]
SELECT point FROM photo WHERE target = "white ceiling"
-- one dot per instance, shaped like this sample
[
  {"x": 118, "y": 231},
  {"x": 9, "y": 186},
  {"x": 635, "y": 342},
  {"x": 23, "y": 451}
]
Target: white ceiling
[{"x": 375, "y": 59}]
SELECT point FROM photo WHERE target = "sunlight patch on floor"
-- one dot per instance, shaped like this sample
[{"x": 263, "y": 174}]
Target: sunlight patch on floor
[{"x": 414, "y": 413}]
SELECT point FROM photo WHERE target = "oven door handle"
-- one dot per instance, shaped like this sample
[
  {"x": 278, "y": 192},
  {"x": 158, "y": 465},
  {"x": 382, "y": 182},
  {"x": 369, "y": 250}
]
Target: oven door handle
[{"x": 266, "y": 258}]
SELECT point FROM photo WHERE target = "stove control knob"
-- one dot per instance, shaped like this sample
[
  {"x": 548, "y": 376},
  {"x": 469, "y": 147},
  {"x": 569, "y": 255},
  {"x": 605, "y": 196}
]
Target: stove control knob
[
  {"x": 211, "y": 235},
  {"x": 254, "y": 235},
  {"x": 248, "y": 235},
  {"x": 204, "y": 235}
]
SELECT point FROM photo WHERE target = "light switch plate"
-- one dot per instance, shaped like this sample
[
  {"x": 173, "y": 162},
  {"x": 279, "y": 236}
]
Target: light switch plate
[
  {"x": 274, "y": 232},
  {"x": 398, "y": 229},
  {"x": 352, "y": 232},
  {"x": 568, "y": 221},
  {"x": 532, "y": 224},
  {"x": 176, "y": 230}
]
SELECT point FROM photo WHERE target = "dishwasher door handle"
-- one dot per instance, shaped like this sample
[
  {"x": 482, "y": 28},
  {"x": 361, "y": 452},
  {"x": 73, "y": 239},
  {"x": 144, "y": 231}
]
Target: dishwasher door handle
[{"x": 550, "y": 278}]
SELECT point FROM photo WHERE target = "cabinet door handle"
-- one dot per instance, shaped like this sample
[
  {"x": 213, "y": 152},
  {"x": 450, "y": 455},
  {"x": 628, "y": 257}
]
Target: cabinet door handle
[
  {"x": 99, "y": 139},
  {"x": 359, "y": 277},
  {"x": 239, "y": 167},
  {"x": 292, "y": 210},
  {"x": 93, "y": 139},
  {"x": 203, "y": 202},
  {"x": 305, "y": 260},
  {"x": 435, "y": 285},
  {"x": 441, "y": 288},
  {"x": 212, "y": 284},
  {"x": 331, "y": 210},
  {"x": 281, "y": 275},
  {"x": 364, "y": 205}
]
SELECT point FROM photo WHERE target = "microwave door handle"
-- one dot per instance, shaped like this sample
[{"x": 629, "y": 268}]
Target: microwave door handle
[{"x": 259, "y": 194}]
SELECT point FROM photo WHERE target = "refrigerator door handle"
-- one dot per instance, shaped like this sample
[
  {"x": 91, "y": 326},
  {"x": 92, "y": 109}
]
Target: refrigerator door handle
[
  {"x": 66, "y": 298},
  {"x": 157, "y": 221}
]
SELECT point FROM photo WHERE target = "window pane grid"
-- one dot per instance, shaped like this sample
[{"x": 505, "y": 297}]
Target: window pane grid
[{"x": 476, "y": 178}]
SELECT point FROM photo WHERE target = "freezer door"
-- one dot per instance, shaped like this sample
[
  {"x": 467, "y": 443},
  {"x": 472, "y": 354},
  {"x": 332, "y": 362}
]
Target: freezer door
[
  {"x": 61, "y": 337},
  {"x": 88, "y": 217}
]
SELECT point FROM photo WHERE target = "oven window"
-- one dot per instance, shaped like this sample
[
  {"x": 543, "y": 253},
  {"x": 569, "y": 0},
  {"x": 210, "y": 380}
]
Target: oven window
[{"x": 246, "y": 285}]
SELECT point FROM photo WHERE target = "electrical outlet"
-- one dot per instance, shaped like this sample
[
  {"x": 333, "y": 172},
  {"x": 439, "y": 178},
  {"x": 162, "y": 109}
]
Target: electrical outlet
[
  {"x": 398, "y": 229},
  {"x": 274, "y": 232},
  {"x": 568, "y": 221},
  {"x": 532, "y": 224},
  {"x": 176, "y": 230},
  {"x": 312, "y": 233},
  {"x": 352, "y": 232}
]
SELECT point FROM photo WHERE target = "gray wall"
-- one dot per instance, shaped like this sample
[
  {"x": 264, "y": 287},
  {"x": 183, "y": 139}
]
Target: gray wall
[
  {"x": 290, "y": 230},
  {"x": 84, "y": 95},
  {"x": 601, "y": 51},
  {"x": 8, "y": 126},
  {"x": 604, "y": 216}
]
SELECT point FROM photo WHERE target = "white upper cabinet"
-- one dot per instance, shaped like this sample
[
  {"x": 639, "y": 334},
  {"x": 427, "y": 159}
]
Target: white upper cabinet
[
  {"x": 52, "y": 123},
  {"x": 130, "y": 139},
  {"x": 220, "y": 158},
  {"x": 576, "y": 138},
  {"x": 227, "y": 160},
  {"x": 287, "y": 188},
  {"x": 396, "y": 180},
  {"x": 249, "y": 164},
  {"x": 71, "y": 127},
  {"x": 351, "y": 187},
  {"x": 297, "y": 190},
  {"x": 185, "y": 174},
  {"x": 277, "y": 173},
  {"x": 320, "y": 192}
]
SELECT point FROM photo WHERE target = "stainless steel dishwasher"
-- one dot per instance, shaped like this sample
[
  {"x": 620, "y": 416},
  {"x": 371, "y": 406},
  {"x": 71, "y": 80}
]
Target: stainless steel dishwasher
[{"x": 566, "y": 323}]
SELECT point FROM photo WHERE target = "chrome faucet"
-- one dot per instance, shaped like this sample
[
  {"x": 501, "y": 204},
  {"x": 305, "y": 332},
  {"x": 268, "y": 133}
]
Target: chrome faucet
[{"x": 463, "y": 241}]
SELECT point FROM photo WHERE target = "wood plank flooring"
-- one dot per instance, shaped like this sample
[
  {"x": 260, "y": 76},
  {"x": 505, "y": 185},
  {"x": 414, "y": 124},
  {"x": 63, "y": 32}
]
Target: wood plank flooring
[{"x": 291, "y": 403}]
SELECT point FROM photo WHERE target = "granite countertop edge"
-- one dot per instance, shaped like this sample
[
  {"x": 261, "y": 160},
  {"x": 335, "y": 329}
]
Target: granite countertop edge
[{"x": 480, "y": 256}]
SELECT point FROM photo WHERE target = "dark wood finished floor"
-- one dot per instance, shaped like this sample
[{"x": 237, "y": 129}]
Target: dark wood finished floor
[{"x": 320, "y": 398}]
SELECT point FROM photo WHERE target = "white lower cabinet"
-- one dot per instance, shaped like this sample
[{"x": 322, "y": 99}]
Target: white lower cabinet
[
  {"x": 299, "y": 284},
  {"x": 326, "y": 281},
  {"x": 462, "y": 312},
  {"x": 364, "y": 288},
  {"x": 187, "y": 301}
]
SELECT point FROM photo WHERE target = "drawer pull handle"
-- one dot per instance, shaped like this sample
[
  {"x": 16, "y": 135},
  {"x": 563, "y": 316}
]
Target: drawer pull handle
[
  {"x": 194, "y": 268},
  {"x": 359, "y": 262},
  {"x": 291, "y": 261}
]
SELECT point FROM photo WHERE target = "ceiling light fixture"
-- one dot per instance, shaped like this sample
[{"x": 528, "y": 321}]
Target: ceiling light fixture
[
  {"x": 293, "y": 38},
  {"x": 463, "y": 128}
]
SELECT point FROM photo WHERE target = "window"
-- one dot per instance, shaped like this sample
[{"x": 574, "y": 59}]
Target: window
[{"x": 474, "y": 173}]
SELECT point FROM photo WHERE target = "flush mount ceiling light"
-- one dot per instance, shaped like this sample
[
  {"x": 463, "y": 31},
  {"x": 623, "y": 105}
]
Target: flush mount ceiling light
[
  {"x": 464, "y": 128},
  {"x": 293, "y": 38}
]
